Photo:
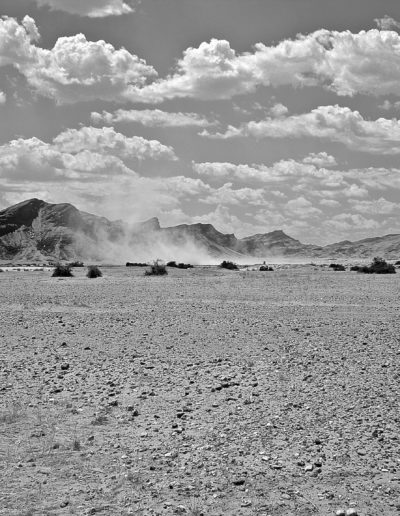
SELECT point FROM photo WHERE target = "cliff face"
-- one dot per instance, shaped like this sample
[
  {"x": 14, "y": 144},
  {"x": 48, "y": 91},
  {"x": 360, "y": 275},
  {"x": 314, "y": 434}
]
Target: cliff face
[{"x": 34, "y": 230}]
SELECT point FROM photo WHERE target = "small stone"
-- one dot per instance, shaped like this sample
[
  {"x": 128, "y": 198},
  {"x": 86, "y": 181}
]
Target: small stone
[
  {"x": 351, "y": 512},
  {"x": 239, "y": 482},
  {"x": 308, "y": 467},
  {"x": 340, "y": 512},
  {"x": 64, "y": 367}
]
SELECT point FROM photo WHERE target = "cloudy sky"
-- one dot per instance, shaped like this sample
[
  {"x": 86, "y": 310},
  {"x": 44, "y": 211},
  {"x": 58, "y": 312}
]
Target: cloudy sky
[{"x": 252, "y": 115}]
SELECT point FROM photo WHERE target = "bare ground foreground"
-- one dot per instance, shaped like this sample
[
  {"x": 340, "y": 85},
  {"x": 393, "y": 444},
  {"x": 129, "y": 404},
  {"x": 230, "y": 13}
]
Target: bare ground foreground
[{"x": 203, "y": 392}]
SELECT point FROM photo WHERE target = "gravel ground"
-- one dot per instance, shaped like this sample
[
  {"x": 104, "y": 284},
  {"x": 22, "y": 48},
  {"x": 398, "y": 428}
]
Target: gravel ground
[{"x": 202, "y": 392}]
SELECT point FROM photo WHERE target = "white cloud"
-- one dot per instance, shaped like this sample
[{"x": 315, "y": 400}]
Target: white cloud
[
  {"x": 91, "y": 8},
  {"x": 77, "y": 155},
  {"x": 334, "y": 123},
  {"x": 302, "y": 208},
  {"x": 74, "y": 69},
  {"x": 284, "y": 171},
  {"x": 386, "y": 23},
  {"x": 152, "y": 118},
  {"x": 37, "y": 161},
  {"x": 107, "y": 140},
  {"x": 278, "y": 110},
  {"x": 350, "y": 222},
  {"x": 3, "y": 97},
  {"x": 320, "y": 159},
  {"x": 343, "y": 62},
  {"x": 387, "y": 105},
  {"x": 227, "y": 195},
  {"x": 379, "y": 206}
]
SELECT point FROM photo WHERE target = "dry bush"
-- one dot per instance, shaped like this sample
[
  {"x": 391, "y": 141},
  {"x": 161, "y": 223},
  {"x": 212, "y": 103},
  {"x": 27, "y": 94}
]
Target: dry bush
[
  {"x": 337, "y": 267},
  {"x": 378, "y": 266},
  {"x": 62, "y": 271},
  {"x": 229, "y": 265},
  {"x": 157, "y": 268},
  {"x": 179, "y": 265},
  {"x": 93, "y": 272}
]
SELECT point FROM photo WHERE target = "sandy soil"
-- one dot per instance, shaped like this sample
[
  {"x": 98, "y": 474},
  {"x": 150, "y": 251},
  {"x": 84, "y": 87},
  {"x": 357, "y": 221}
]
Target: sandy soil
[{"x": 204, "y": 392}]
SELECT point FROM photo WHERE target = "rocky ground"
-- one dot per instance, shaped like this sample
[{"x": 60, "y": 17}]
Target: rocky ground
[{"x": 203, "y": 392}]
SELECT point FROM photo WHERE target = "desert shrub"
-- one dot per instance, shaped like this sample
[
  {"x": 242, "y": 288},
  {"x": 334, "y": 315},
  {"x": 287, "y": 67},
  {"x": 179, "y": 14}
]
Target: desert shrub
[
  {"x": 136, "y": 264},
  {"x": 265, "y": 268},
  {"x": 157, "y": 268},
  {"x": 62, "y": 271},
  {"x": 398, "y": 262},
  {"x": 76, "y": 264},
  {"x": 179, "y": 265},
  {"x": 93, "y": 272},
  {"x": 1, "y": 270},
  {"x": 229, "y": 265},
  {"x": 337, "y": 267},
  {"x": 355, "y": 268},
  {"x": 378, "y": 266}
]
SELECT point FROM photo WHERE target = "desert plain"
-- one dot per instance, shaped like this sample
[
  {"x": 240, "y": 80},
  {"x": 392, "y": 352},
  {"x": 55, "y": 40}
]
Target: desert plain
[{"x": 201, "y": 392}]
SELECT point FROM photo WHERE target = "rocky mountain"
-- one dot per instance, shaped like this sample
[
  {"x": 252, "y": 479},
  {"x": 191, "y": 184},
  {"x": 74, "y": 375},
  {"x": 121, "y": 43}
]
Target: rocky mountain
[{"x": 37, "y": 231}]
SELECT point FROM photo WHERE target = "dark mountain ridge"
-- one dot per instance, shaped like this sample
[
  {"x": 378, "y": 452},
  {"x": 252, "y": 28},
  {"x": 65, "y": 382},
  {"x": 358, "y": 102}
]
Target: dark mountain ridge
[{"x": 35, "y": 230}]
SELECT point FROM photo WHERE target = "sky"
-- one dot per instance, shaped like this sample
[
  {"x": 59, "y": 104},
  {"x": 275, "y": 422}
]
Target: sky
[{"x": 251, "y": 115}]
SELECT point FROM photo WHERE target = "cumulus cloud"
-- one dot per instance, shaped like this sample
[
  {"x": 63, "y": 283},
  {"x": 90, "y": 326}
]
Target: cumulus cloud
[
  {"x": 107, "y": 140},
  {"x": 152, "y": 118},
  {"x": 75, "y": 69},
  {"x": 387, "y": 105},
  {"x": 226, "y": 195},
  {"x": 90, "y": 8},
  {"x": 34, "y": 160},
  {"x": 278, "y": 110},
  {"x": 77, "y": 155},
  {"x": 3, "y": 97},
  {"x": 334, "y": 123},
  {"x": 280, "y": 172},
  {"x": 379, "y": 206},
  {"x": 343, "y": 62},
  {"x": 320, "y": 159},
  {"x": 386, "y": 23}
]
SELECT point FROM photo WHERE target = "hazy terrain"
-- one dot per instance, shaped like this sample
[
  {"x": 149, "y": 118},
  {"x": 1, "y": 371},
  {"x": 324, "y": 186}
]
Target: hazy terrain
[
  {"x": 203, "y": 392},
  {"x": 34, "y": 231}
]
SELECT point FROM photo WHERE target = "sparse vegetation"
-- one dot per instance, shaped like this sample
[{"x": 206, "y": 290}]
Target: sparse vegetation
[
  {"x": 229, "y": 265},
  {"x": 62, "y": 271},
  {"x": 76, "y": 264},
  {"x": 337, "y": 267},
  {"x": 378, "y": 266},
  {"x": 157, "y": 268},
  {"x": 179, "y": 265},
  {"x": 265, "y": 268},
  {"x": 93, "y": 272}
]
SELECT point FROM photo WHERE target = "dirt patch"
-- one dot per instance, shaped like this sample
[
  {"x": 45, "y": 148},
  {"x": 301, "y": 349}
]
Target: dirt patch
[{"x": 202, "y": 392}]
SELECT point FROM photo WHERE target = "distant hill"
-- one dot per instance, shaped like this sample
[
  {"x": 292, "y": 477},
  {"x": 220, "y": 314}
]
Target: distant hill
[{"x": 37, "y": 231}]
